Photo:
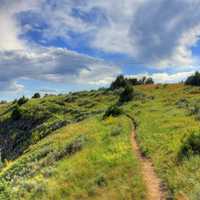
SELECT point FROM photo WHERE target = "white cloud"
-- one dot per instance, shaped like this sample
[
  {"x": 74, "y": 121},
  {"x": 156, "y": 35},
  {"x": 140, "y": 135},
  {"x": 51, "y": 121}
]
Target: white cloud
[
  {"x": 165, "y": 77},
  {"x": 55, "y": 65},
  {"x": 19, "y": 59},
  {"x": 163, "y": 32},
  {"x": 10, "y": 29},
  {"x": 11, "y": 85},
  {"x": 159, "y": 33},
  {"x": 154, "y": 32},
  {"x": 171, "y": 78}
]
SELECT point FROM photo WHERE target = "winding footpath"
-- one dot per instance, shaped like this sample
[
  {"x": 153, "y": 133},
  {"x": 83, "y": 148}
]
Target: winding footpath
[{"x": 152, "y": 182}]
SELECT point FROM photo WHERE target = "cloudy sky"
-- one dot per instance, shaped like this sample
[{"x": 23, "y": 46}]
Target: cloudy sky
[{"x": 55, "y": 46}]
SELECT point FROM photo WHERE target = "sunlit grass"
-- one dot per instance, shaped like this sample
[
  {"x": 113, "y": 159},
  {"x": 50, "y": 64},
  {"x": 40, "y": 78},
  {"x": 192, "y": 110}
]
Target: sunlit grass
[
  {"x": 161, "y": 132},
  {"x": 104, "y": 168}
]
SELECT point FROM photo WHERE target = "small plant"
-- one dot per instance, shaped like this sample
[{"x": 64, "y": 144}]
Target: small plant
[
  {"x": 195, "y": 110},
  {"x": 182, "y": 103},
  {"x": 191, "y": 146},
  {"x": 113, "y": 110}
]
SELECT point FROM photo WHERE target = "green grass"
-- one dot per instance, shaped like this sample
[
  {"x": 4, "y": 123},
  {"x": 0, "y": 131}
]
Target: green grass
[
  {"x": 63, "y": 149},
  {"x": 40, "y": 117},
  {"x": 102, "y": 167},
  {"x": 163, "y": 127}
]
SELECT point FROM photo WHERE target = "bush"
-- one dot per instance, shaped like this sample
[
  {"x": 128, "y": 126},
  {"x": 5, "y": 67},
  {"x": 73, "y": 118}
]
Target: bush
[
  {"x": 195, "y": 110},
  {"x": 193, "y": 80},
  {"x": 120, "y": 82},
  {"x": 133, "y": 81},
  {"x": 22, "y": 101},
  {"x": 149, "y": 81},
  {"x": 182, "y": 103},
  {"x": 113, "y": 110},
  {"x": 127, "y": 94},
  {"x": 36, "y": 95},
  {"x": 16, "y": 113},
  {"x": 191, "y": 146},
  {"x": 116, "y": 131}
]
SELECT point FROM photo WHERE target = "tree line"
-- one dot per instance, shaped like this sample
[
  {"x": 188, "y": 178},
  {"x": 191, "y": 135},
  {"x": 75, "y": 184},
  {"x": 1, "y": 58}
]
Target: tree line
[
  {"x": 193, "y": 79},
  {"x": 121, "y": 82}
]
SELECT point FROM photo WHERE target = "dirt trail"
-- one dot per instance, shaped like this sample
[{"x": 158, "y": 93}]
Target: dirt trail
[{"x": 150, "y": 178}]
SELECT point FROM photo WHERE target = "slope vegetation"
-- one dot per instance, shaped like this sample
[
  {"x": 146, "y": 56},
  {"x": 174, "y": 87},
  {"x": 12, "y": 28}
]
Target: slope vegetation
[
  {"x": 167, "y": 120},
  {"x": 62, "y": 147},
  {"x": 86, "y": 158}
]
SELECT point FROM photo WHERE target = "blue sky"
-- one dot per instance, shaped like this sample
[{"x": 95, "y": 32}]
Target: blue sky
[{"x": 51, "y": 46}]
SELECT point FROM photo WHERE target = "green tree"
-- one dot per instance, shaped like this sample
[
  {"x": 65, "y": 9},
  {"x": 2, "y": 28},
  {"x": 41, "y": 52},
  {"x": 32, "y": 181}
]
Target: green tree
[
  {"x": 127, "y": 94},
  {"x": 120, "y": 82},
  {"x": 22, "y": 100},
  {"x": 36, "y": 95},
  {"x": 194, "y": 79},
  {"x": 149, "y": 81}
]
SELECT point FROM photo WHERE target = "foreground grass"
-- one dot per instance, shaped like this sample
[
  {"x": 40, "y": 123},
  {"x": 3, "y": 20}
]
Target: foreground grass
[
  {"x": 92, "y": 159},
  {"x": 162, "y": 129}
]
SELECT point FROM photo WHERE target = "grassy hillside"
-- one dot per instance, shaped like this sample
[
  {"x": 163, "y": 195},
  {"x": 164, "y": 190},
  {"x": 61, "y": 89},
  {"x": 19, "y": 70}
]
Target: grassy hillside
[
  {"x": 39, "y": 117},
  {"x": 88, "y": 160},
  {"x": 165, "y": 121},
  {"x": 63, "y": 148}
]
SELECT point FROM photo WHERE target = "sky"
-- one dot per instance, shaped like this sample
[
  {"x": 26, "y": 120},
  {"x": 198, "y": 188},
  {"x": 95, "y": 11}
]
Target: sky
[{"x": 51, "y": 46}]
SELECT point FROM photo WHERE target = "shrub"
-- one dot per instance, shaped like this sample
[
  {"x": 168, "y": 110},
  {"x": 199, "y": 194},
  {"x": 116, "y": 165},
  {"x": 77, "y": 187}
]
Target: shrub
[
  {"x": 149, "y": 81},
  {"x": 36, "y": 95},
  {"x": 122, "y": 82},
  {"x": 193, "y": 80},
  {"x": 71, "y": 148},
  {"x": 113, "y": 110},
  {"x": 182, "y": 103},
  {"x": 22, "y": 101},
  {"x": 133, "y": 81},
  {"x": 191, "y": 146},
  {"x": 118, "y": 83},
  {"x": 127, "y": 94},
  {"x": 116, "y": 131},
  {"x": 16, "y": 113},
  {"x": 195, "y": 110},
  {"x": 142, "y": 81}
]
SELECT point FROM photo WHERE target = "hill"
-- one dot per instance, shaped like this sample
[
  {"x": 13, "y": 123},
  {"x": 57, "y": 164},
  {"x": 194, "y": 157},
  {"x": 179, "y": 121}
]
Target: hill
[{"x": 62, "y": 147}]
